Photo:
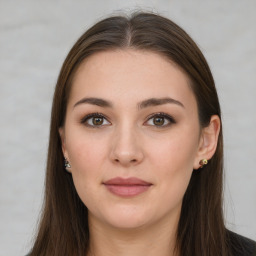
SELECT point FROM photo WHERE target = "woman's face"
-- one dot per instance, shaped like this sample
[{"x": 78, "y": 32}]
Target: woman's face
[{"x": 132, "y": 137}]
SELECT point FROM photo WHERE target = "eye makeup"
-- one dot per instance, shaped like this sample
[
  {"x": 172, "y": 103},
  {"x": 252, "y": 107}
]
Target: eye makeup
[
  {"x": 160, "y": 120},
  {"x": 98, "y": 120},
  {"x": 95, "y": 120}
]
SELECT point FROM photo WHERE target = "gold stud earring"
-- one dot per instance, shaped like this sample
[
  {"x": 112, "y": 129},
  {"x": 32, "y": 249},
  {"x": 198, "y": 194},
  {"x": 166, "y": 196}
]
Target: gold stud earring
[{"x": 203, "y": 162}]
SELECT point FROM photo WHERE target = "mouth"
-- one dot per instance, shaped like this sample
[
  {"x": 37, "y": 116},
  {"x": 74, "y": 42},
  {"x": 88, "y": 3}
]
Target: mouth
[{"x": 128, "y": 187}]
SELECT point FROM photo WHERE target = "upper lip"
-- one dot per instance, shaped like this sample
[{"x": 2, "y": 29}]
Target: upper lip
[{"x": 127, "y": 182}]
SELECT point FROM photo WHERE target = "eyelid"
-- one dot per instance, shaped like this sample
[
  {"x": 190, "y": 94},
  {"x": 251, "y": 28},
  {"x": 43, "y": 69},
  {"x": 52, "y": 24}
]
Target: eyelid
[
  {"x": 170, "y": 119},
  {"x": 91, "y": 115}
]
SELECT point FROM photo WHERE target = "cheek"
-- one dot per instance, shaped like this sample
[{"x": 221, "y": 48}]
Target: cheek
[
  {"x": 86, "y": 154},
  {"x": 173, "y": 159},
  {"x": 86, "y": 158},
  {"x": 176, "y": 152},
  {"x": 86, "y": 151}
]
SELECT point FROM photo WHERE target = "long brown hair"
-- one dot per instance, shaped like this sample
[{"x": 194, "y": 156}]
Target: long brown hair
[{"x": 63, "y": 229}]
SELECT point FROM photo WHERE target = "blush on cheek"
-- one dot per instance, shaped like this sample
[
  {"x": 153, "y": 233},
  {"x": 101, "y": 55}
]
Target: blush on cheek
[{"x": 86, "y": 157}]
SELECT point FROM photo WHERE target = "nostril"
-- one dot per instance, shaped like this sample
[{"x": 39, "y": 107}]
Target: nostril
[{"x": 131, "y": 161}]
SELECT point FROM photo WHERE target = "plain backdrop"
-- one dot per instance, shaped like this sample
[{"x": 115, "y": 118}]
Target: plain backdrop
[{"x": 35, "y": 37}]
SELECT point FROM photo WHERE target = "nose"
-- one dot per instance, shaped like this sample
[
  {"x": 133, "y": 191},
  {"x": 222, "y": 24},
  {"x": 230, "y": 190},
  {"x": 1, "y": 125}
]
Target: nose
[{"x": 126, "y": 147}]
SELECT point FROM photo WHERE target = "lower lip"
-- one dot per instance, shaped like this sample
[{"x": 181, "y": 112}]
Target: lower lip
[{"x": 127, "y": 191}]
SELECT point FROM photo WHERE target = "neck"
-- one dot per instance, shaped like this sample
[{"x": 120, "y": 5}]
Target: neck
[{"x": 155, "y": 240}]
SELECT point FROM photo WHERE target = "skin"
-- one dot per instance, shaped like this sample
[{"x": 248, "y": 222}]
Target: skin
[{"x": 129, "y": 142}]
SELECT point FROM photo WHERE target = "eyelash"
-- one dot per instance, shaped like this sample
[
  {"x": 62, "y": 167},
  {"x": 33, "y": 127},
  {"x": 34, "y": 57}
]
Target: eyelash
[
  {"x": 162, "y": 115},
  {"x": 85, "y": 119},
  {"x": 167, "y": 117}
]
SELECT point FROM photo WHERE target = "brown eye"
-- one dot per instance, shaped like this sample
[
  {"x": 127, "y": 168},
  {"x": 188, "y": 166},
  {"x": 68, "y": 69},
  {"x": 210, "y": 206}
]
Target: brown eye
[
  {"x": 97, "y": 120},
  {"x": 159, "y": 121}
]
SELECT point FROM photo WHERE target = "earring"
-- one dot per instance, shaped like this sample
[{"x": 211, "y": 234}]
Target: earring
[
  {"x": 66, "y": 164},
  {"x": 203, "y": 162}
]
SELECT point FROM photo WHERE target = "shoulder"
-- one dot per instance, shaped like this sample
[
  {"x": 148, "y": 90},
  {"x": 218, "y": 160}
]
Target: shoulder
[{"x": 240, "y": 245}]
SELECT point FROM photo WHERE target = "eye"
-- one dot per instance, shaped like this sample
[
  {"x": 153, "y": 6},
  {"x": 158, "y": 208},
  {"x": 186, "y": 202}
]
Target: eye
[
  {"x": 160, "y": 120},
  {"x": 95, "y": 120}
]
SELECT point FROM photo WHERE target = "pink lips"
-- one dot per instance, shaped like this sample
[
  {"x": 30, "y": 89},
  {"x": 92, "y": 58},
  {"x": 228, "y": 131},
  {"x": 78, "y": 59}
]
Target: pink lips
[{"x": 127, "y": 187}]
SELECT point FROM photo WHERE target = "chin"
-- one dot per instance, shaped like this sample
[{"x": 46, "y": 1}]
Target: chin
[
  {"x": 126, "y": 218},
  {"x": 125, "y": 223}
]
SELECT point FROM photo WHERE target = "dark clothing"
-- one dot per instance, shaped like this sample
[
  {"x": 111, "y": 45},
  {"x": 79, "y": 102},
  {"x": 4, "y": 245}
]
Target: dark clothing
[{"x": 241, "y": 246}]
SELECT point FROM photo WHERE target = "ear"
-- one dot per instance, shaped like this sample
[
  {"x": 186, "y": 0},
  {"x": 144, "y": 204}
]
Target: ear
[
  {"x": 208, "y": 141},
  {"x": 63, "y": 142}
]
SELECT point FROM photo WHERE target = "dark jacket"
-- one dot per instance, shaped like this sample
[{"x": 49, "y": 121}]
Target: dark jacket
[{"x": 240, "y": 246}]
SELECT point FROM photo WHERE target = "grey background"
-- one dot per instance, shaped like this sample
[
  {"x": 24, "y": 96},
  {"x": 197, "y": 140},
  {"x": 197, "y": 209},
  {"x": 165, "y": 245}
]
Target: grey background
[{"x": 35, "y": 37}]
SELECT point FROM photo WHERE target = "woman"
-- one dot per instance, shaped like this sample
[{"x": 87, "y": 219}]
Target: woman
[{"x": 136, "y": 150}]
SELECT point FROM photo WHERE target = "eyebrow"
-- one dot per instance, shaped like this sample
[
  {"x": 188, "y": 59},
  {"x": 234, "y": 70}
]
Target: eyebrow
[
  {"x": 144, "y": 104},
  {"x": 155, "y": 102},
  {"x": 94, "y": 101}
]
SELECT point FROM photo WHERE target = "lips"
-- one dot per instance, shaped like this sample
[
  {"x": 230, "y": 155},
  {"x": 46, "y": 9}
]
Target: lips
[{"x": 127, "y": 187}]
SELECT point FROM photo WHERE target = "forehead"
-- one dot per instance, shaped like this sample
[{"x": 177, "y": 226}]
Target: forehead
[{"x": 130, "y": 75}]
